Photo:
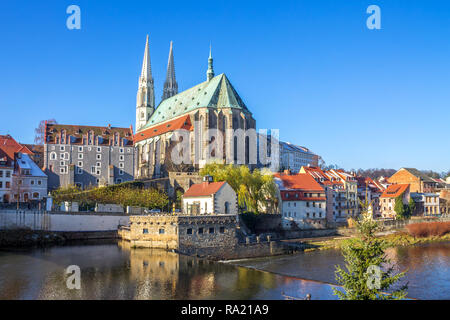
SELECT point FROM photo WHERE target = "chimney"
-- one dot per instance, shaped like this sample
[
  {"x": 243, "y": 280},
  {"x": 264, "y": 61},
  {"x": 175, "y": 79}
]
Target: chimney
[{"x": 207, "y": 179}]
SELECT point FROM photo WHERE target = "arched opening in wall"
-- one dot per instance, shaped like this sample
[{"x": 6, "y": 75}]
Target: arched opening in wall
[
  {"x": 25, "y": 197},
  {"x": 224, "y": 128},
  {"x": 212, "y": 147},
  {"x": 247, "y": 150},
  {"x": 227, "y": 207},
  {"x": 200, "y": 137},
  {"x": 36, "y": 195},
  {"x": 6, "y": 198},
  {"x": 235, "y": 149}
]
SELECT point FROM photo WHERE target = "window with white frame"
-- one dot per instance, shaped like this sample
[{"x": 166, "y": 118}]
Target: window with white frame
[
  {"x": 80, "y": 149},
  {"x": 121, "y": 150},
  {"x": 39, "y": 182},
  {"x": 121, "y": 158},
  {"x": 98, "y": 164},
  {"x": 62, "y": 163},
  {"x": 53, "y": 156},
  {"x": 79, "y": 171},
  {"x": 80, "y": 156},
  {"x": 80, "y": 164},
  {"x": 99, "y": 149},
  {"x": 62, "y": 148},
  {"x": 63, "y": 170},
  {"x": 121, "y": 165},
  {"x": 99, "y": 172},
  {"x": 121, "y": 172},
  {"x": 93, "y": 169},
  {"x": 99, "y": 157}
]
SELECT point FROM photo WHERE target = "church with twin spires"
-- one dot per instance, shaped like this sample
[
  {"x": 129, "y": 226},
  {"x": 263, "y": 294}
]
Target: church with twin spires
[{"x": 211, "y": 106}]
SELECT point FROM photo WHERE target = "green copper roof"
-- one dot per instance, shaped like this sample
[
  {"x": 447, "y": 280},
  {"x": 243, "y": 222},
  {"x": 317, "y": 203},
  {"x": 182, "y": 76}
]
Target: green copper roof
[{"x": 216, "y": 93}]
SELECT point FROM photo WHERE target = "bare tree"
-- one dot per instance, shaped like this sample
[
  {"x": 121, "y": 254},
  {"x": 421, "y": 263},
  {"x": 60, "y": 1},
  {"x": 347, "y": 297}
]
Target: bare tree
[{"x": 39, "y": 137}]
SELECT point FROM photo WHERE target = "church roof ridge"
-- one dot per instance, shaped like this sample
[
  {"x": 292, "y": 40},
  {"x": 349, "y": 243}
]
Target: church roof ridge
[{"x": 215, "y": 93}]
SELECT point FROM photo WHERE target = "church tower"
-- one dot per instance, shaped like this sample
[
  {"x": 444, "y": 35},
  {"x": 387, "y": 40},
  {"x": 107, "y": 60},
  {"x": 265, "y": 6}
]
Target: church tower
[
  {"x": 170, "y": 85},
  {"x": 145, "y": 104}
]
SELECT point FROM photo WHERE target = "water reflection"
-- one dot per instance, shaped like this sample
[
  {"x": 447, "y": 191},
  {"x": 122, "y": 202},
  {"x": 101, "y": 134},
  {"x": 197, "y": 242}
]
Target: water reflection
[
  {"x": 116, "y": 271},
  {"x": 427, "y": 266}
]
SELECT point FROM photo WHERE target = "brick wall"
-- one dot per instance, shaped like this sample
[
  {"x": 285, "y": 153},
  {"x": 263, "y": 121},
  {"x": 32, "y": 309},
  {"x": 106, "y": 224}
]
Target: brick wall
[{"x": 404, "y": 177}]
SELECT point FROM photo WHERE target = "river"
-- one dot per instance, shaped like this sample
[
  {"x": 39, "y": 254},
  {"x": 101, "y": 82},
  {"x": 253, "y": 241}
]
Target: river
[{"x": 115, "y": 271}]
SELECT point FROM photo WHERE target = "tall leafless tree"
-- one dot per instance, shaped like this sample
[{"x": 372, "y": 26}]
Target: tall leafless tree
[{"x": 39, "y": 137}]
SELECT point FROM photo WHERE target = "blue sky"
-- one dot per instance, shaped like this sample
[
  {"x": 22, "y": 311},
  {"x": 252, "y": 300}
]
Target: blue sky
[{"x": 360, "y": 98}]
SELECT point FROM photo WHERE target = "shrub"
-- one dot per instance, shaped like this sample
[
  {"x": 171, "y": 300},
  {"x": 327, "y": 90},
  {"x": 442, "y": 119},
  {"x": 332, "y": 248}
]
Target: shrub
[{"x": 428, "y": 229}]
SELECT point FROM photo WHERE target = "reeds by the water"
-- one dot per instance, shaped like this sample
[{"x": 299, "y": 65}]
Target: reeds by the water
[{"x": 428, "y": 229}]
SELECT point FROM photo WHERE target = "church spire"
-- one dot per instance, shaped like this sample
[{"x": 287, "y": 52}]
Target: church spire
[
  {"x": 145, "y": 104},
  {"x": 146, "y": 65},
  {"x": 170, "y": 85},
  {"x": 210, "y": 72}
]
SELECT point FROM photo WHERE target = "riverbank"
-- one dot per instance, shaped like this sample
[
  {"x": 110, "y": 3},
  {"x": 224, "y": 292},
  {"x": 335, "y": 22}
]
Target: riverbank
[
  {"x": 25, "y": 238},
  {"x": 29, "y": 238},
  {"x": 396, "y": 239}
]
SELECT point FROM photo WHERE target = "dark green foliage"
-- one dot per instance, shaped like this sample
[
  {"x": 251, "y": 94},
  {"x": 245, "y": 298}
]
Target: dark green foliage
[
  {"x": 360, "y": 253},
  {"x": 125, "y": 194},
  {"x": 250, "y": 219}
]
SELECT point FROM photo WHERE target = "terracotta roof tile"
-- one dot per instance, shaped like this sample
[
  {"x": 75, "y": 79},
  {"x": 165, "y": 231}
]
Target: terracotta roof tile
[
  {"x": 203, "y": 189},
  {"x": 9, "y": 146},
  {"x": 179, "y": 123},
  {"x": 395, "y": 190},
  {"x": 299, "y": 181}
]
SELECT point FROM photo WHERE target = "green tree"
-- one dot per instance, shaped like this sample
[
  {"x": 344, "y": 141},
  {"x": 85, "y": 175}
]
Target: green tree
[
  {"x": 400, "y": 209},
  {"x": 256, "y": 190},
  {"x": 369, "y": 273}
]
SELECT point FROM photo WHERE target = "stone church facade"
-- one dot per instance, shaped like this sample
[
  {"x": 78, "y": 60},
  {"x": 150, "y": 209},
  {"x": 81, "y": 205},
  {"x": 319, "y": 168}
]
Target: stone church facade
[{"x": 189, "y": 129}]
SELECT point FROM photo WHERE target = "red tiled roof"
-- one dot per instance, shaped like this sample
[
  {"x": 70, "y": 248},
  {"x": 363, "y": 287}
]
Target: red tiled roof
[
  {"x": 395, "y": 190},
  {"x": 203, "y": 189},
  {"x": 179, "y": 123},
  {"x": 299, "y": 181},
  {"x": 9, "y": 146},
  {"x": 324, "y": 178}
]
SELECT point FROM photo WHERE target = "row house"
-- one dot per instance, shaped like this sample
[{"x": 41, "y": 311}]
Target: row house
[
  {"x": 341, "y": 190},
  {"x": 20, "y": 177},
  {"x": 389, "y": 196},
  {"x": 87, "y": 155},
  {"x": 302, "y": 201}
]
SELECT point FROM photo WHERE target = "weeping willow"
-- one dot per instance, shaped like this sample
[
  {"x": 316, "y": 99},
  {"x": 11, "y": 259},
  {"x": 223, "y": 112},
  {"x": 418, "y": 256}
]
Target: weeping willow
[{"x": 256, "y": 190}]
